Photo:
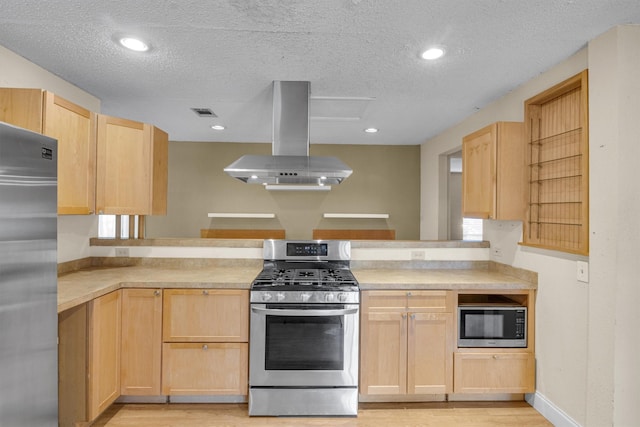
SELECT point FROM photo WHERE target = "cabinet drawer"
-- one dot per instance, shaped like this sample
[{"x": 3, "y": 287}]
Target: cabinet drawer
[
  {"x": 205, "y": 315},
  {"x": 438, "y": 301},
  {"x": 384, "y": 300},
  {"x": 424, "y": 301},
  {"x": 205, "y": 368},
  {"x": 494, "y": 372}
]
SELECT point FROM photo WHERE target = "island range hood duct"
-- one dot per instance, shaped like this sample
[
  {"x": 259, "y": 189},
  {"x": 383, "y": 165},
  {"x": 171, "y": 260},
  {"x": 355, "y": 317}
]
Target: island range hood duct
[{"x": 290, "y": 163}]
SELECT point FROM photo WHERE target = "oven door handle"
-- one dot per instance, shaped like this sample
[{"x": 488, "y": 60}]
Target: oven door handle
[{"x": 286, "y": 312}]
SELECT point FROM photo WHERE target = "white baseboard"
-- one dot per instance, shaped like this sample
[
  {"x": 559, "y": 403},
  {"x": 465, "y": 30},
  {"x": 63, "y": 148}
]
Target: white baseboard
[{"x": 551, "y": 412}]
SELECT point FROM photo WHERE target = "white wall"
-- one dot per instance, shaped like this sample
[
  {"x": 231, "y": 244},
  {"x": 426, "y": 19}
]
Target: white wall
[
  {"x": 587, "y": 335},
  {"x": 15, "y": 71},
  {"x": 614, "y": 290}
]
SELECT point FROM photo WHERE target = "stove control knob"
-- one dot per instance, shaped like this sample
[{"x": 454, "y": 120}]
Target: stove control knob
[
  {"x": 330, "y": 297},
  {"x": 342, "y": 297},
  {"x": 280, "y": 296},
  {"x": 266, "y": 296},
  {"x": 305, "y": 296}
]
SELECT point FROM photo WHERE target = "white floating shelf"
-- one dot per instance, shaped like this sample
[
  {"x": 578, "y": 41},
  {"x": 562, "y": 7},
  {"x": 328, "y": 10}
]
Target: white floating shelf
[
  {"x": 241, "y": 215},
  {"x": 297, "y": 187},
  {"x": 356, "y": 215}
]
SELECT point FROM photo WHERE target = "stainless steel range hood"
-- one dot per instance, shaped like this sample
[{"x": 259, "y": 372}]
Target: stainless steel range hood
[{"x": 290, "y": 162}]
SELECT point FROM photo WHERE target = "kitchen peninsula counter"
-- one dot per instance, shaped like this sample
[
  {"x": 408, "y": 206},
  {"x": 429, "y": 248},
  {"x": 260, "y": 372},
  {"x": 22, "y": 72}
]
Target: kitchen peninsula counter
[
  {"x": 442, "y": 279},
  {"x": 80, "y": 286}
]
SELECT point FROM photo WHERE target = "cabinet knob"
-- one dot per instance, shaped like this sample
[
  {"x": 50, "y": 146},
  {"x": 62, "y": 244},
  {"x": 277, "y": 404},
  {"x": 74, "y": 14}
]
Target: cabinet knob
[
  {"x": 413, "y": 316},
  {"x": 205, "y": 347},
  {"x": 404, "y": 315},
  {"x": 408, "y": 294},
  {"x": 495, "y": 356},
  {"x": 156, "y": 293},
  {"x": 205, "y": 292}
]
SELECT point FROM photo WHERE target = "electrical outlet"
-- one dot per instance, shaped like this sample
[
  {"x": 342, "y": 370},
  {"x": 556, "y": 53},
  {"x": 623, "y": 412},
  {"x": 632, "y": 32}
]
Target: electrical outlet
[
  {"x": 122, "y": 252},
  {"x": 497, "y": 252},
  {"x": 417, "y": 255},
  {"x": 583, "y": 271}
]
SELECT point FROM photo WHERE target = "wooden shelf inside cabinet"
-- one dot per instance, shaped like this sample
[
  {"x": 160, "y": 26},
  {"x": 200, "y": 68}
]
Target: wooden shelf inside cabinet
[{"x": 556, "y": 128}]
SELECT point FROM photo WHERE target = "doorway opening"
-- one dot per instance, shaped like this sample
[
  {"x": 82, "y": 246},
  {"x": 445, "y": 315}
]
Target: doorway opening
[{"x": 460, "y": 228}]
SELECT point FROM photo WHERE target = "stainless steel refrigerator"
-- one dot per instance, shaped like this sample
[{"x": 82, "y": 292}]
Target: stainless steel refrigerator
[{"x": 28, "y": 279}]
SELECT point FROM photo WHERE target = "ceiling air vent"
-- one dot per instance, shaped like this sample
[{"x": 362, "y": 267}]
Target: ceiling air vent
[{"x": 204, "y": 112}]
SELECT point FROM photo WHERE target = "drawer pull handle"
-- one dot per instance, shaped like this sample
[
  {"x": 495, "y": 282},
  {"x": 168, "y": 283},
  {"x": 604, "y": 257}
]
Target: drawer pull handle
[{"x": 205, "y": 347}]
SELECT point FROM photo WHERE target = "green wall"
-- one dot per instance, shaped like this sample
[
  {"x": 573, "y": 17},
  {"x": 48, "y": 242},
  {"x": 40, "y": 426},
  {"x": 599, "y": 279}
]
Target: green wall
[{"x": 385, "y": 179}]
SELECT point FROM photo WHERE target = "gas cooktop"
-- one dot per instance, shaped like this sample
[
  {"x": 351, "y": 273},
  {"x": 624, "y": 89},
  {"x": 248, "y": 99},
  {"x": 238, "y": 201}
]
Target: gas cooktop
[{"x": 305, "y": 271}]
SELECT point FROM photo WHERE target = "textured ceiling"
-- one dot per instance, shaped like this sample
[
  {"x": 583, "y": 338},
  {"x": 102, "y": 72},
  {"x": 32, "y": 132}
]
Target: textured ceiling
[{"x": 361, "y": 57}]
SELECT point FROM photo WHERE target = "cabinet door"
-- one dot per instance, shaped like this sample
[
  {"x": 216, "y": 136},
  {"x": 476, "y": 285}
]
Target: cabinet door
[
  {"x": 22, "y": 107},
  {"x": 72, "y": 366},
  {"x": 430, "y": 353},
  {"x": 479, "y": 173},
  {"x": 141, "y": 342},
  {"x": 206, "y": 315},
  {"x": 130, "y": 156},
  {"x": 383, "y": 350},
  {"x": 494, "y": 172},
  {"x": 511, "y": 172},
  {"x": 75, "y": 129},
  {"x": 205, "y": 368},
  {"x": 486, "y": 372},
  {"x": 104, "y": 333}
]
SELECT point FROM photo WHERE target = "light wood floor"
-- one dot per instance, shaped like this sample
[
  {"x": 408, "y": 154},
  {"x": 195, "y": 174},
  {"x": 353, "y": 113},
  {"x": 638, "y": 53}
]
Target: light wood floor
[{"x": 467, "y": 414}]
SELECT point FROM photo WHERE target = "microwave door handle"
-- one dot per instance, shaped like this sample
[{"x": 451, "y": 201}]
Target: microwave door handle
[{"x": 278, "y": 312}]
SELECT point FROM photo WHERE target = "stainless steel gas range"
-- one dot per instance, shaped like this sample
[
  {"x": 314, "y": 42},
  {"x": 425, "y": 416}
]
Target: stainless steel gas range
[{"x": 304, "y": 331}]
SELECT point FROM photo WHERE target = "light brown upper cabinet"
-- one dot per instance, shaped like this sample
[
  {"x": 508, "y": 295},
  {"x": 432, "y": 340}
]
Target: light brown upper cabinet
[
  {"x": 75, "y": 129},
  {"x": 557, "y": 136},
  {"x": 132, "y": 168},
  {"x": 493, "y": 172}
]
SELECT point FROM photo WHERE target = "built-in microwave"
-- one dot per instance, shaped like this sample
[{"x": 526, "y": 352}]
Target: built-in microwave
[{"x": 492, "y": 326}]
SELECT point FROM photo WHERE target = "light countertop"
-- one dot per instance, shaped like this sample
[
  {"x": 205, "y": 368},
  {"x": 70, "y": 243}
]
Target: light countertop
[
  {"x": 84, "y": 285},
  {"x": 447, "y": 279}
]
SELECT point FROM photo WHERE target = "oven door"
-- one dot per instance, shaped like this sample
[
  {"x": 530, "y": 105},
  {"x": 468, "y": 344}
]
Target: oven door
[{"x": 304, "y": 345}]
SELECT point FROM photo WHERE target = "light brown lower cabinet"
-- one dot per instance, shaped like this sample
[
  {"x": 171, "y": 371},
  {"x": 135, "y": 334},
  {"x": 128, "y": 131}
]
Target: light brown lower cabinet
[
  {"x": 141, "y": 353},
  {"x": 429, "y": 353},
  {"x": 205, "y": 349},
  {"x": 103, "y": 359},
  {"x": 494, "y": 372},
  {"x": 205, "y": 369},
  {"x": 406, "y": 343},
  {"x": 72, "y": 366}
]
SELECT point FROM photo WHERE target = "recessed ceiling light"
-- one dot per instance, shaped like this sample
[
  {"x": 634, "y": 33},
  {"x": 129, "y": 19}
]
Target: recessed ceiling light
[
  {"x": 432, "y": 53},
  {"x": 217, "y": 127},
  {"x": 134, "y": 44},
  {"x": 371, "y": 130}
]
